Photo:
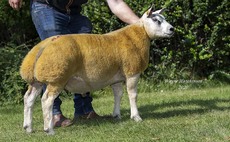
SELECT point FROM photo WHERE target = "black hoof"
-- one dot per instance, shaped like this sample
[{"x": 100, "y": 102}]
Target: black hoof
[{"x": 25, "y": 127}]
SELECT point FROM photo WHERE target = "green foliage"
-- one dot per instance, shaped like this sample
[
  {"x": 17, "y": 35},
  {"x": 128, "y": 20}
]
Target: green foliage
[
  {"x": 220, "y": 76},
  {"x": 12, "y": 87},
  {"x": 97, "y": 10},
  {"x": 16, "y": 26},
  {"x": 197, "y": 47}
]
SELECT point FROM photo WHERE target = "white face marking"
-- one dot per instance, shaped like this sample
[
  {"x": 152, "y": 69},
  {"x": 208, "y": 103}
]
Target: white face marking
[{"x": 156, "y": 26}]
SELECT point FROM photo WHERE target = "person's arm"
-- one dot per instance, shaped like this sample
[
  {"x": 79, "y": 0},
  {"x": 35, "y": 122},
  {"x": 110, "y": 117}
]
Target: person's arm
[
  {"x": 15, "y": 4},
  {"x": 122, "y": 11}
]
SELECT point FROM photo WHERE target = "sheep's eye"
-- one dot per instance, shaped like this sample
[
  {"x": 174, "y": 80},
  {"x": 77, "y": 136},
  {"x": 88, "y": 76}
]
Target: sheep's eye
[{"x": 156, "y": 20}]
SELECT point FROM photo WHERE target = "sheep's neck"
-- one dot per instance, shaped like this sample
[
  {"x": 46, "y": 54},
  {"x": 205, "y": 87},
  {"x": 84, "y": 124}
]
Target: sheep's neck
[{"x": 134, "y": 45}]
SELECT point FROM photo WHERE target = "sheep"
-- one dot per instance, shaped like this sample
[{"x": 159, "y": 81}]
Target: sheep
[{"x": 87, "y": 62}]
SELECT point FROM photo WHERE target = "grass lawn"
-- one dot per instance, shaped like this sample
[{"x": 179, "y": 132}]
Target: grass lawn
[{"x": 192, "y": 115}]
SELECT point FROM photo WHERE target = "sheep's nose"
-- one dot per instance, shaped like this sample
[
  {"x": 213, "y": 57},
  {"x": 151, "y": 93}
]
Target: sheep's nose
[{"x": 171, "y": 29}]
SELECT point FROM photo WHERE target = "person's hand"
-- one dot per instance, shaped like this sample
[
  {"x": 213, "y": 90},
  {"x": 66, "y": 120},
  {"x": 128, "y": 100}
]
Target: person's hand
[{"x": 15, "y": 4}]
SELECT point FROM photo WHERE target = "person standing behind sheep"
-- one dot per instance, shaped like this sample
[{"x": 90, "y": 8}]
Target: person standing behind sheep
[{"x": 53, "y": 17}]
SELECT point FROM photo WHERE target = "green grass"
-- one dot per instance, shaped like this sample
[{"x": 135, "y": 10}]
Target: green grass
[{"x": 192, "y": 115}]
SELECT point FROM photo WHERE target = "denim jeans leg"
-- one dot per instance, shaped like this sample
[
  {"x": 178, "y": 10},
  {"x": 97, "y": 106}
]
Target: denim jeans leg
[
  {"x": 82, "y": 105},
  {"x": 48, "y": 22},
  {"x": 84, "y": 26},
  {"x": 57, "y": 106},
  {"x": 87, "y": 107},
  {"x": 78, "y": 105}
]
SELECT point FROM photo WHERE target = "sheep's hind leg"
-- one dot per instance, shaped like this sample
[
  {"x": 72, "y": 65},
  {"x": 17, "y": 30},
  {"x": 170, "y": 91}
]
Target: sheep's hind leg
[
  {"x": 131, "y": 83},
  {"x": 29, "y": 98},
  {"x": 118, "y": 92},
  {"x": 47, "y": 106}
]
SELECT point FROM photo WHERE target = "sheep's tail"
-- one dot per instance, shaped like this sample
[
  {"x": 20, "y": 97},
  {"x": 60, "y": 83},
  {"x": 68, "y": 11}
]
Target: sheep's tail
[{"x": 28, "y": 64}]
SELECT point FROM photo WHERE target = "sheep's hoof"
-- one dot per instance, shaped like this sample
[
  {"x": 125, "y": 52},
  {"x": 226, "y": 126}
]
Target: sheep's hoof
[
  {"x": 117, "y": 117},
  {"x": 49, "y": 132},
  {"x": 28, "y": 129},
  {"x": 136, "y": 118},
  {"x": 25, "y": 127}
]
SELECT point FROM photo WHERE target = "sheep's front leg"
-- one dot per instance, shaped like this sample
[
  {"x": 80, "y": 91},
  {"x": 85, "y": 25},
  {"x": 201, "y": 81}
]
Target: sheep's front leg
[
  {"x": 47, "y": 107},
  {"x": 118, "y": 92},
  {"x": 29, "y": 98},
  {"x": 131, "y": 83}
]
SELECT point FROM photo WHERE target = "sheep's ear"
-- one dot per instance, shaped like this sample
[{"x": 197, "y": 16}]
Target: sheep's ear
[
  {"x": 150, "y": 11},
  {"x": 160, "y": 11}
]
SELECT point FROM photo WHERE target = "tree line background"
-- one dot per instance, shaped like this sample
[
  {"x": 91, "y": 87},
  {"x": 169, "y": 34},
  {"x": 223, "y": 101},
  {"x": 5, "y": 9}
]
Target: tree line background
[{"x": 199, "y": 48}]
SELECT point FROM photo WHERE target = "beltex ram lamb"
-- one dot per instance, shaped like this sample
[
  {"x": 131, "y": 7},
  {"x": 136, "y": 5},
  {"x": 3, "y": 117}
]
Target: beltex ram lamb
[{"x": 86, "y": 62}]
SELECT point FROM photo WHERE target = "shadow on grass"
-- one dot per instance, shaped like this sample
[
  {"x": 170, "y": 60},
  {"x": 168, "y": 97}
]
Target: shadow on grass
[
  {"x": 169, "y": 109},
  {"x": 183, "y": 108},
  {"x": 155, "y": 111}
]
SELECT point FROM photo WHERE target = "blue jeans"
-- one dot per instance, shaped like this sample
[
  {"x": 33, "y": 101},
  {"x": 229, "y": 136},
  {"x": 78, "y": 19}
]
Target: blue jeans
[{"x": 49, "y": 22}]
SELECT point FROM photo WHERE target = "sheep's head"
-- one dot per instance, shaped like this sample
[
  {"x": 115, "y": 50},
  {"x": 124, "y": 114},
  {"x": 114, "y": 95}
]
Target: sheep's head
[{"x": 155, "y": 24}]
